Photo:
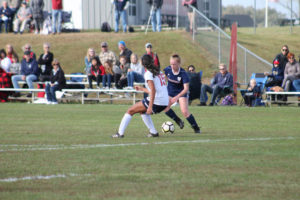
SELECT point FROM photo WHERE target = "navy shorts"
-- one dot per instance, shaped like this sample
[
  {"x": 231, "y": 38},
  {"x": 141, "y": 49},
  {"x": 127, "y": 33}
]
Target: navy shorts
[
  {"x": 173, "y": 95},
  {"x": 156, "y": 108}
]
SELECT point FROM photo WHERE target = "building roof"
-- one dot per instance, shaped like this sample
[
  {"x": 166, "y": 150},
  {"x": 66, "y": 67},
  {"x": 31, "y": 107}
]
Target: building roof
[{"x": 242, "y": 20}]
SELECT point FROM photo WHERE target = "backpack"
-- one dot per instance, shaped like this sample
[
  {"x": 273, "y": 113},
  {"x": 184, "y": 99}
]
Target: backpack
[
  {"x": 227, "y": 101},
  {"x": 105, "y": 27}
]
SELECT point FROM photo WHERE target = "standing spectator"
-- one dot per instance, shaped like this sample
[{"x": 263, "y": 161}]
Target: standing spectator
[
  {"x": 124, "y": 51},
  {"x": 45, "y": 62},
  {"x": 195, "y": 83},
  {"x": 120, "y": 11},
  {"x": 135, "y": 72},
  {"x": 27, "y": 47},
  {"x": 148, "y": 47},
  {"x": 88, "y": 60},
  {"x": 97, "y": 71},
  {"x": 57, "y": 82},
  {"x": 14, "y": 5},
  {"x": 11, "y": 54},
  {"x": 23, "y": 17},
  {"x": 29, "y": 72},
  {"x": 291, "y": 72},
  {"x": 5, "y": 16},
  {"x": 107, "y": 55},
  {"x": 107, "y": 77},
  {"x": 156, "y": 14},
  {"x": 222, "y": 82},
  {"x": 282, "y": 57},
  {"x": 191, "y": 15},
  {"x": 37, "y": 7},
  {"x": 5, "y": 62},
  {"x": 56, "y": 16}
]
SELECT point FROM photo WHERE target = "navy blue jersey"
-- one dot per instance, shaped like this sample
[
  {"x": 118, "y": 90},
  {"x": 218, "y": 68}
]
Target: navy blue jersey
[{"x": 176, "y": 82}]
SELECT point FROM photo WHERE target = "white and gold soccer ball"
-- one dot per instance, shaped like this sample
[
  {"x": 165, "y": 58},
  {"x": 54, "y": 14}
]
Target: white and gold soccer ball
[{"x": 168, "y": 127}]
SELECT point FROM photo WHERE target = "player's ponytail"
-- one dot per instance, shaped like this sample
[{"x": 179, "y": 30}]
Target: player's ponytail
[{"x": 148, "y": 63}]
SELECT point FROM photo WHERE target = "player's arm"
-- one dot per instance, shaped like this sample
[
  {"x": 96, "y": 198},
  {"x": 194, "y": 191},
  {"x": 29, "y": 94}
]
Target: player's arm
[
  {"x": 143, "y": 89},
  {"x": 151, "y": 96}
]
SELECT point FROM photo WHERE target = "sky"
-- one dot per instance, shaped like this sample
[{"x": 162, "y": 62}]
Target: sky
[{"x": 262, "y": 4}]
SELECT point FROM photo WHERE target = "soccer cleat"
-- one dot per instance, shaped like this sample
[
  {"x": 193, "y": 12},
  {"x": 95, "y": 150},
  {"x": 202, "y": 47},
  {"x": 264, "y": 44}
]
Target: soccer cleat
[
  {"x": 180, "y": 123},
  {"x": 117, "y": 135},
  {"x": 197, "y": 129},
  {"x": 153, "y": 135}
]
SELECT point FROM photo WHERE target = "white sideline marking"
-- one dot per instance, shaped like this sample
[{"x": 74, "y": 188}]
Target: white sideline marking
[
  {"x": 12, "y": 179},
  {"x": 89, "y": 146}
]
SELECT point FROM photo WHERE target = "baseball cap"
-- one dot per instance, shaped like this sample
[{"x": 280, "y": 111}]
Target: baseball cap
[
  {"x": 122, "y": 43},
  {"x": 148, "y": 45},
  {"x": 104, "y": 44}
]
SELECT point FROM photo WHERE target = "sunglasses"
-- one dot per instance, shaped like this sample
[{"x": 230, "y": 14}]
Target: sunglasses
[
  {"x": 284, "y": 50},
  {"x": 222, "y": 69}
]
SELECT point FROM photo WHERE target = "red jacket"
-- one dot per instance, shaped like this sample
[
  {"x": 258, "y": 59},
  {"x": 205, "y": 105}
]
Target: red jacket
[
  {"x": 99, "y": 70},
  {"x": 57, "y": 4}
]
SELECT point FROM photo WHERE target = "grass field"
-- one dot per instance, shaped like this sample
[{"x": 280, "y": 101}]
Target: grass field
[{"x": 65, "y": 152}]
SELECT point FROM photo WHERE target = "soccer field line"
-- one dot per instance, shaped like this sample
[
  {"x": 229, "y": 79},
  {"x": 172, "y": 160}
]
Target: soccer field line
[{"x": 41, "y": 147}]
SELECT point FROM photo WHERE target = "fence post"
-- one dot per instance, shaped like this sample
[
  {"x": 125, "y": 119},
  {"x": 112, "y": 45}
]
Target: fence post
[
  {"x": 177, "y": 14},
  {"x": 246, "y": 81},
  {"x": 194, "y": 21},
  {"x": 233, "y": 58}
]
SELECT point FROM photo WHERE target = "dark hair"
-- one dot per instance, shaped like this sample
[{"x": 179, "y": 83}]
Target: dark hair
[
  {"x": 2, "y": 51},
  {"x": 191, "y": 66},
  {"x": 148, "y": 63}
]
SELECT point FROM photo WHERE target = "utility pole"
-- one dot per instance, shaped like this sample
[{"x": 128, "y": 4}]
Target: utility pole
[
  {"x": 266, "y": 13},
  {"x": 255, "y": 16}
]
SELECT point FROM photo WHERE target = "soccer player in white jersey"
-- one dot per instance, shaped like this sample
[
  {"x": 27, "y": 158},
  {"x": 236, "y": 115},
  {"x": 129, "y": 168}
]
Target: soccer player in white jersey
[{"x": 157, "y": 101}]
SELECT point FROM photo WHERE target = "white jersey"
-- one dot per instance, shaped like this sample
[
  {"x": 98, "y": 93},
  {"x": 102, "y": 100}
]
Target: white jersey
[{"x": 161, "y": 95}]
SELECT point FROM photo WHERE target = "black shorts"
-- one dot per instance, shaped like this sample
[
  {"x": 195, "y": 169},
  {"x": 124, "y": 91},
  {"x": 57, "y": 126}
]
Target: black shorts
[
  {"x": 189, "y": 9},
  {"x": 156, "y": 108}
]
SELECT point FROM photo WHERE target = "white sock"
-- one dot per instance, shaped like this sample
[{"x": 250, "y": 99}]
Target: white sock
[
  {"x": 148, "y": 122},
  {"x": 124, "y": 123}
]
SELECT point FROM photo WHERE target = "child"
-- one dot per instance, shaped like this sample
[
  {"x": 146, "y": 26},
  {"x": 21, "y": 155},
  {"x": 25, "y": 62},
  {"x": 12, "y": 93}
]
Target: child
[
  {"x": 252, "y": 93},
  {"x": 108, "y": 68},
  {"x": 97, "y": 71}
]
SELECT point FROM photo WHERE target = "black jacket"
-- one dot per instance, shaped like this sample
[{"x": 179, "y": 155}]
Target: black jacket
[
  {"x": 155, "y": 3},
  {"x": 58, "y": 77},
  {"x": 282, "y": 60},
  {"x": 46, "y": 64}
]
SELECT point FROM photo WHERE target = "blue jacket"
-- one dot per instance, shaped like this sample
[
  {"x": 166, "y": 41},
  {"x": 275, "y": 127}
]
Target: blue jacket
[
  {"x": 120, "y": 4},
  {"x": 29, "y": 68},
  {"x": 277, "y": 73},
  {"x": 7, "y": 12},
  {"x": 223, "y": 81}
]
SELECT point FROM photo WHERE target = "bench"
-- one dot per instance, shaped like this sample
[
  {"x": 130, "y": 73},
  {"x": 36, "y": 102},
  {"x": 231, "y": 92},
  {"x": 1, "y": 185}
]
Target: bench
[{"x": 269, "y": 97}]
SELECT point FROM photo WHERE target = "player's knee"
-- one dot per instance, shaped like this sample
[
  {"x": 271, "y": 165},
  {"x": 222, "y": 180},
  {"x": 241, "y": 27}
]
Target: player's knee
[{"x": 186, "y": 113}]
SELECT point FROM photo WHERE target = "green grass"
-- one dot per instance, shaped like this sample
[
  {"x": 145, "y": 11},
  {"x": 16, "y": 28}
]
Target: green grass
[{"x": 216, "y": 167}]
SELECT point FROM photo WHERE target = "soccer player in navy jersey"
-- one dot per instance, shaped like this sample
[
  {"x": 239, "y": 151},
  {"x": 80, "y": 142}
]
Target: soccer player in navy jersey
[{"x": 178, "y": 87}]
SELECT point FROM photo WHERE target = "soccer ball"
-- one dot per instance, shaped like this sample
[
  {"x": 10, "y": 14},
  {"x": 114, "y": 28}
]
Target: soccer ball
[{"x": 168, "y": 127}]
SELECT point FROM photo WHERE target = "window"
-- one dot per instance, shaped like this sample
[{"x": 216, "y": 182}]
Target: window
[{"x": 132, "y": 8}]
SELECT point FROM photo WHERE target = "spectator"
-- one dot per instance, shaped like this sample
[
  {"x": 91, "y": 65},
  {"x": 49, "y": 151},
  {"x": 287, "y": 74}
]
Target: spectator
[
  {"x": 253, "y": 91},
  {"x": 14, "y": 5},
  {"x": 37, "y": 7},
  {"x": 148, "y": 47},
  {"x": 57, "y": 82},
  {"x": 45, "y": 62},
  {"x": 88, "y": 60},
  {"x": 291, "y": 72},
  {"x": 5, "y": 62},
  {"x": 120, "y": 73},
  {"x": 11, "y": 54},
  {"x": 195, "y": 83},
  {"x": 5, "y": 82},
  {"x": 5, "y": 16},
  {"x": 282, "y": 57},
  {"x": 120, "y": 11},
  {"x": 97, "y": 71},
  {"x": 124, "y": 51},
  {"x": 135, "y": 72},
  {"x": 27, "y": 47},
  {"x": 56, "y": 16},
  {"x": 156, "y": 14},
  {"x": 107, "y": 77},
  {"x": 191, "y": 15},
  {"x": 276, "y": 77},
  {"x": 222, "y": 83},
  {"x": 107, "y": 55},
  {"x": 23, "y": 17},
  {"x": 29, "y": 73}
]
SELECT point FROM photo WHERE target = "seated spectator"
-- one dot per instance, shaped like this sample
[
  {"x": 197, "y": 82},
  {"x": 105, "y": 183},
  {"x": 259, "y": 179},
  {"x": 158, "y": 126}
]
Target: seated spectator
[
  {"x": 124, "y": 51},
  {"x": 282, "y": 57},
  {"x": 5, "y": 62},
  {"x": 107, "y": 77},
  {"x": 14, "y": 5},
  {"x": 5, "y": 82},
  {"x": 148, "y": 47},
  {"x": 253, "y": 91},
  {"x": 135, "y": 72},
  {"x": 276, "y": 77},
  {"x": 88, "y": 60},
  {"x": 195, "y": 83},
  {"x": 37, "y": 7},
  {"x": 291, "y": 72},
  {"x": 29, "y": 73},
  {"x": 23, "y": 17},
  {"x": 57, "y": 82},
  {"x": 120, "y": 73},
  {"x": 107, "y": 55},
  {"x": 97, "y": 70},
  {"x": 27, "y": 47},
  {"x": 5, "y": 16},
  {"x": 222, "y": 83},
  {"x": 11, "y": 54},
  {"x": 45, "y": 62}
]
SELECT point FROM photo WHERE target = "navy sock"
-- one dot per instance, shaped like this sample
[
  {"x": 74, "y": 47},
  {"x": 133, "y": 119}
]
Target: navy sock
[
  {"x": 192, "y": 121},
  {"x": 172, "y": 115}
]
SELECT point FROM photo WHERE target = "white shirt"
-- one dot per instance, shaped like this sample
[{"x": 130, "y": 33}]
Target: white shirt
[
  {"x": 161, "y": 94},
  {"x": 138, "y": 68},
  {"x": 5, "y": 64}
]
